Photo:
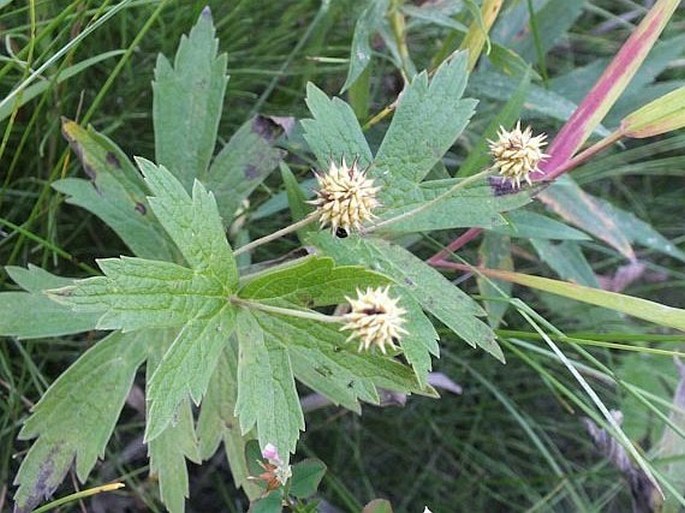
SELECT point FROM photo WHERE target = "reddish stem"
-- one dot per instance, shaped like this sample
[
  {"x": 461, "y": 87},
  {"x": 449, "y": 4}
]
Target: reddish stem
[{"x": 453, "y": 246}]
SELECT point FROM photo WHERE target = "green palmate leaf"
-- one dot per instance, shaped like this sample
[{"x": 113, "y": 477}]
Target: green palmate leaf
[
  {"x": 137, "y": 293},
  {"x": 360, "y": 53},
  {"x": 76, "y": 416},
  {"x": 217, "y": 421},
  {"x": 193, "y": 223},
  {"x": 187, "y": 102},
  {"x": 168, "y": 451},
  {"x": 306, "y": 477},
  {"x": 323, "y": 360},
  {"x": 267, "y": 397},
  {"x": 187, "y": 366},
  {"x": 480, "y": 205},
  {"x": 427, "y": 121},
  {"x": 314, "y": 281},
  {"x": 567, "y": 260},
  {"x": 424, "y": 284},
  {"x": 530, "y": 225},
  {"x": 243, "y": 164},
  {"x": 19, "y": 310},
  {"x": 334, "y": 132},
  {"x": 495, "y": 252},
  {"x": 311, "y": 281},
  {"x": 115, "y": 192},
  {"x": 637, "y": 307}
]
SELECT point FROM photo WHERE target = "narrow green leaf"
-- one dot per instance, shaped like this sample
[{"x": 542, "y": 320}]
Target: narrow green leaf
[
  {"x": 427, "y": 121},
  {"x": 567, "y": 260},
  {"x": 76, "y": 416},
  {"x": 296, "y": 198},
  {"x": 187, "y": 366},
  {"x": 530, "y": 225},
  {"x": 539, "y": 101},
  {"x": 115, "y": 192},
  {"x": 193, "y": 223},
  {"x": 243, "y": 164},
  {"x": 32, "y": 91},
  {"x": 427, "y": 286},
  {"x": 311, "y": 281},
  {"x": 307, "y": 475},
  {"x": 334, "y": 132},
  {"x": 267, "y": 396},
  {"x": 662, "y": 115},
  {"x": 368, "y": 22},
  {"x": 637, "y": 307},
  {"x": 19, "y": 310},
  {"x": 495, "y": 252},
  {"x": 568, "y": 200},
  {"x": 187, "y": 102}
]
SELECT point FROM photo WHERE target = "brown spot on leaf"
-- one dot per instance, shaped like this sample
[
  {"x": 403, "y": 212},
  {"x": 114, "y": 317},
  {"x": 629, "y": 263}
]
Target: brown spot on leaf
[
  {"x": 251, "y": 172},
  {"x": 141, "y": 208},
  {"x": 112, "y": 160},
  {"x": 266, "y": 128}
]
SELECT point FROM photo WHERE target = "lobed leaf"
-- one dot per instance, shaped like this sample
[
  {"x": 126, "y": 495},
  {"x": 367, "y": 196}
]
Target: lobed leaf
[
  {"x": 115, "y": 192},
  {"x": 427, "y": 121},
  {"x": 424, "y": 284},
  {"x": 187, "y": 102},
  {"x": 187, "y": 367},
  {"x": 76, "y": 417},
  {"x": 194, "y": 224},
  {"x": 334, "y": 132},
  {"x": 267, "y": 397},
  {"x": 311, "y": 281},
  {"x": 495, "y": 252},
  {"x": 19, "y": 310},
  {"x": 136, "y": 294},
  {"x": 169, "y": 450}
]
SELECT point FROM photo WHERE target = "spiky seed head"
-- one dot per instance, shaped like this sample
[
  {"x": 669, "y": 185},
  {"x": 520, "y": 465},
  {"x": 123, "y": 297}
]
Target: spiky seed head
[
  {"x": 346, "y": 197},
  {"x": 517, "y": 154},
  {"x": 375, "y": 318}
]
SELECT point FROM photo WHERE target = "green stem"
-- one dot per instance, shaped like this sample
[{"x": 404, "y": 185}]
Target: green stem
[
  {"x": 301, "y": 314},
  {"x": 277, "y": 234},
  {"x": 425, "y": 206}
]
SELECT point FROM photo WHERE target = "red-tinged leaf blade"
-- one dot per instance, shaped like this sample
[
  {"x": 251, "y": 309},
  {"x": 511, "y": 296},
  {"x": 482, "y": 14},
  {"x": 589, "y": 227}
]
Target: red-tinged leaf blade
[
  {"x": 568, "y": 200},
  {"x": 610, "y": 85}
]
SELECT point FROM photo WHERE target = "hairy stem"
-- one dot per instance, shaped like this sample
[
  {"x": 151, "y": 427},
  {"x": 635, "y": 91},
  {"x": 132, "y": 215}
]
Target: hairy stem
[{"x": 276, "y": 235}]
